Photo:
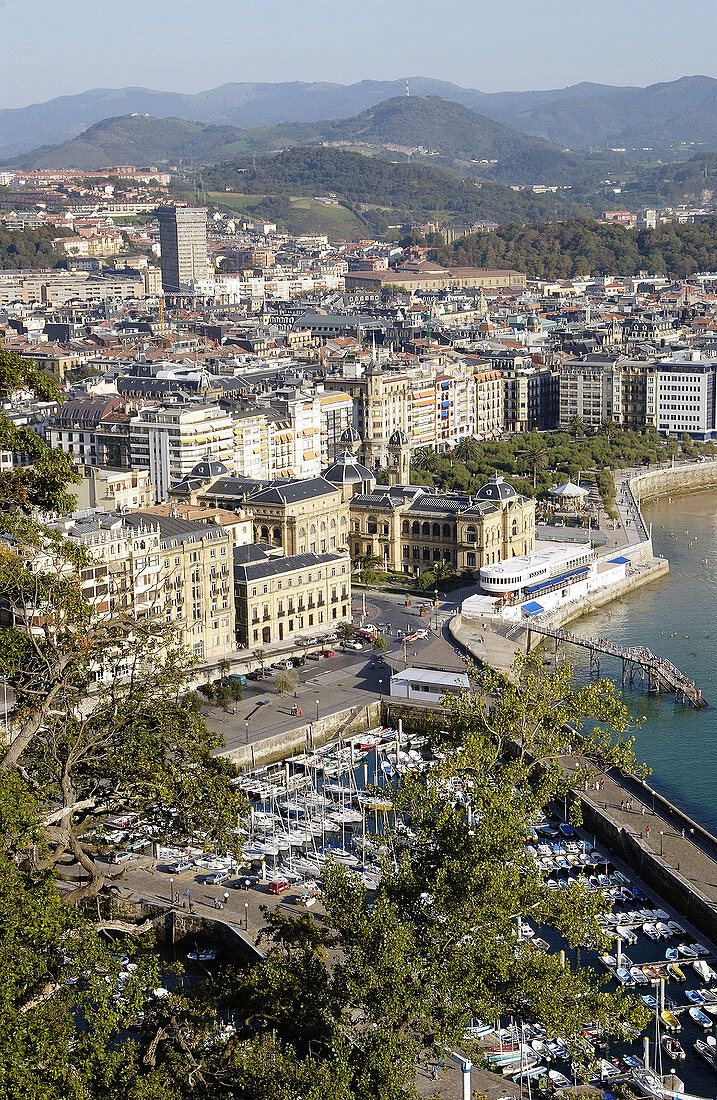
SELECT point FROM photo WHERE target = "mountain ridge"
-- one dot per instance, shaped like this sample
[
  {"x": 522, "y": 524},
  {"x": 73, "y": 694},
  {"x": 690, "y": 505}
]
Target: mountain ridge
[{"x": 583, "y": 114}]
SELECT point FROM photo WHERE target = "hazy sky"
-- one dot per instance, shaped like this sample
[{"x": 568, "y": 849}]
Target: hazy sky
[{"x": 57, "y": 47}]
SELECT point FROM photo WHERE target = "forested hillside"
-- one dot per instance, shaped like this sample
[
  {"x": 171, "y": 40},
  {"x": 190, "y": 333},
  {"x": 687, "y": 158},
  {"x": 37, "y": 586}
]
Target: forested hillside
[
  {"x": 581, "y": 246},
  {"x": 26, "y": 248}
]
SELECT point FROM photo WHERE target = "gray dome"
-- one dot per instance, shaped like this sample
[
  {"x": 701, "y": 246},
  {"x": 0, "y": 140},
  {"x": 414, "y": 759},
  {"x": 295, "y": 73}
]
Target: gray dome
[
  {"x": 209, "y": 467},
  {"x": 345, "y": 470},
  {"x": 349, "y": 435},
  {"x": 398, "y": 439},
  {"x": 496, "y": 489}
]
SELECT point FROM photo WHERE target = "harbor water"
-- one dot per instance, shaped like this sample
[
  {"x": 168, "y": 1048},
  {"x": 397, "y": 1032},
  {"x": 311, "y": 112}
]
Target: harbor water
[{"x": 676, "y": 618}]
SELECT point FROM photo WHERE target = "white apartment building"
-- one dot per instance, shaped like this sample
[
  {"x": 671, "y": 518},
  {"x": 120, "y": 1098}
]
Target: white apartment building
[
  {"x": 169, "y": 441},
  {"x": 681, "y": 394}
]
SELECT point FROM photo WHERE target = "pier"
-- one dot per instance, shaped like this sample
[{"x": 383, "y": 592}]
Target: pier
[{"x": 660, "y": 674}]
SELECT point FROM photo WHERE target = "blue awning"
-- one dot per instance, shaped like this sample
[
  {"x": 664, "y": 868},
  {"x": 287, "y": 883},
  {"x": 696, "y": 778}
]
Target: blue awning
[
  {"x": 619, "y": 561},
  {"x": 533, "y": 608},
  {"x": 550, "y": 581}
]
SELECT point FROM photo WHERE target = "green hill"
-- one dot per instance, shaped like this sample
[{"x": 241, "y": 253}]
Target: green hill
[
  {"x": 582, "y": 247},
  {"x": 376, "y": 191},
  {"x": 138, "y": 139}
]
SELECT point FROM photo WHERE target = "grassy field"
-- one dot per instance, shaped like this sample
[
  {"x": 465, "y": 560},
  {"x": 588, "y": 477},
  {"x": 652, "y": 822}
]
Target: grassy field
[{"x": 243, "y": 203}]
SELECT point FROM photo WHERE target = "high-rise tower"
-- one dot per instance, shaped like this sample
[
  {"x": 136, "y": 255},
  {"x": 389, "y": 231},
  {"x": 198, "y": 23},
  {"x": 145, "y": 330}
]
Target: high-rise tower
[{"x": 183, "y": 241}]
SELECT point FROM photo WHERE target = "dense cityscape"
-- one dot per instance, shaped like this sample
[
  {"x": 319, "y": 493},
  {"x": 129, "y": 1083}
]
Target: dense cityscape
[{"x": 358, "y": 457}]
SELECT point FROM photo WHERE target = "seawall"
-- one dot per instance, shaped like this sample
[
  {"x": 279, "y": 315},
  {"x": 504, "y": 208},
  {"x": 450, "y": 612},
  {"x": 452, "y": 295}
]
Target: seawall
[
  {"x": 305, "y": 738},
  {"x": 670, "y": 481}
]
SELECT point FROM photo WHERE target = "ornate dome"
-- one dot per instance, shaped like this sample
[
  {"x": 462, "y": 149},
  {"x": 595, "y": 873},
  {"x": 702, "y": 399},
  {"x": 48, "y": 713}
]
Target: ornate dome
[
  {"x": 346, "y": 470},
  {"x": 398, "y": 439},
  {"x": 496, "y": 489},
  {"x": 209, "y": 467},
  {"x": 349, "y": 435}
]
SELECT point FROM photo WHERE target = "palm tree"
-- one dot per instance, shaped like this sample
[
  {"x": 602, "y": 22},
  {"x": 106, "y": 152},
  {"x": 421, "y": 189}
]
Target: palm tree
[
  {"x": 576, "y": 427},
  {"x": 423, "y": 458},
  {"x": 468, "y": 451},
  {"x": 534, "y": 457},
  {"x": 365, "y": 565}
]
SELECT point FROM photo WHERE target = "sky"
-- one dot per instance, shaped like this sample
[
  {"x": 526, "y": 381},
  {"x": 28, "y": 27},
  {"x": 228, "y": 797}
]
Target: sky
[{"x": 60, "y": 47}]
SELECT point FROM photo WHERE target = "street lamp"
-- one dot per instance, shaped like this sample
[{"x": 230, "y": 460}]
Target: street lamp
[
  {"x": 317, "y": 710},
  {"x": 171, "y": 891},
  {"x": 662, "y": 843},
  {"x": 246, "y": 731},
  {"x": 246, "y": 915},
  {"x": 380, "y": 688}
]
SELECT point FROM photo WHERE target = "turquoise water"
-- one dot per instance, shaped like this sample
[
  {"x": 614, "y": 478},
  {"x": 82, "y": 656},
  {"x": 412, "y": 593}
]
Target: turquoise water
[{"x": 679, "y": 743}]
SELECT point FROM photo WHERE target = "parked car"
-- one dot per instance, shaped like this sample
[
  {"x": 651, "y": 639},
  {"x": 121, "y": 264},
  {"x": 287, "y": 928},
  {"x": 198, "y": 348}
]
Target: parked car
[
  {"x": 327, "y": 653},
  {"x": 279, "y": 887},
  {"x": 410, "y": 637},
  {"x": 333, "y": 637},
  {"x": 353, "y": 645},
  {"x": 313, "y": 656},
  {"x": 239, "y": 677},
  {"x": 244, "y": 882},
  {"x": 421, "y": 633},
  {"x": 122, "y": 857},
  {"x": 216, "y": 878},
  {"x": 180, "y": 866}
]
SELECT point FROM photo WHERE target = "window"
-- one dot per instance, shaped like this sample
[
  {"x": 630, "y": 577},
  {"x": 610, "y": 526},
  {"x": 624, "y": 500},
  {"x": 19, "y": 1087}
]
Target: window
[{"x": 253, "y": 591}]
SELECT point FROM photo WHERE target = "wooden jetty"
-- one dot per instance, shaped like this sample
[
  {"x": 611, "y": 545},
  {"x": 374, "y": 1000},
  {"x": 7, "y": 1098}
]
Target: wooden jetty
[{"x": 660, "y": 674}]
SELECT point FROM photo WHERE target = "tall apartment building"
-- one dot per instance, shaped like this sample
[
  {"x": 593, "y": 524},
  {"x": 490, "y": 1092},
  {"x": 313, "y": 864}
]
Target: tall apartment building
[
  {"x": 183, "y": 243},
  {"x": 683, "y": 397},
  {"x": 171, "y": 440},
  {"x": 489, "y": 417},
  {"x": 530, "y": 399},
  {"x": 604, "y": 387}
]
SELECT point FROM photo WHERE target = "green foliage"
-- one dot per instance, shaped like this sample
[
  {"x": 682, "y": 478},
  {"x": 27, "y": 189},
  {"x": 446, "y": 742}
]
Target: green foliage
[
  {"x": 286, "y": 681},
  {"x": 346, "y": 632},
  {"x": 28, "y": 248},
  {"x": 380, "y": 644},
  {"x": 411, "y": 192},
  {"x": 536, "y": 460},
  {"x": 580, "y": 246}
]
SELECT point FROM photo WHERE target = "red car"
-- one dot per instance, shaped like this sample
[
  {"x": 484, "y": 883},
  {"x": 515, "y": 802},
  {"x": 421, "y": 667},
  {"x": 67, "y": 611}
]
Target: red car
[
  {"x": 327, "y": 652},
  {"x": 279, "y": 886}
]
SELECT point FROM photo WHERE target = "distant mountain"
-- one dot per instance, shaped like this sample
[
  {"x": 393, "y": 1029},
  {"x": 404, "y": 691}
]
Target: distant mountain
[
  {"x": 429, "y": 129},
  {"x": 584, "y": 115},
  {"x": 138, "y": 139},
  {"x": 663, "y": 115}
]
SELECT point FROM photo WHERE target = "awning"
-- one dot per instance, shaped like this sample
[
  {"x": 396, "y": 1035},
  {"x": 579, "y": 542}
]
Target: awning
[
  {"x": 533, "y": 608},
  {"x": 619, "y": 561}
]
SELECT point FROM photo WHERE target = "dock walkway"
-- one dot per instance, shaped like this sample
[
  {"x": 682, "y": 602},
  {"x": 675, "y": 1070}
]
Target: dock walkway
[{"x": 660, "y": 673}]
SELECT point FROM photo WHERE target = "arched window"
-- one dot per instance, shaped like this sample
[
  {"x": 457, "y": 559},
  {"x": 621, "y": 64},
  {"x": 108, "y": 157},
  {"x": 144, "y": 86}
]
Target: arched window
[
  {"x": 264, "y": 533},
  {"x": 277, "y": 535},
  {"x": 322, "y": 527},
  {"x": 302, "y": 532},
  {"x": 415, "y": 527},
  {"x": 515, "y": 527},
  {"x": 312, "y": 529},
  {"x": 405, "y": 527},
  {"x": 332, "y": 525},
  {"x": 436, "y": 530},
  {"x": 436, "y": 554},
  {"x": 446, "y": 530},
  {"x": 470, "y": 533},
  {"x": 426, "y": 530}
]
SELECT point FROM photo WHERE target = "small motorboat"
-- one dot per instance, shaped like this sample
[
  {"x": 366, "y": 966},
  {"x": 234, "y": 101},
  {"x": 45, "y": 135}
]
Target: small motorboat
[
  {"x": 687, "y": 950},
  {"x": 673, "y": 1048},
  {"x": 675, "y": 928},
  {"x": 672, "y": 954},
  {"x": 202, "y": 956},
  {"x": 649, "y": 1001},
  {"x": 649, "y": 972},
  {"x": 700, "y": 949},
  {"x": 625, "y": 977},
  {"x": 670, "y": 1020},
  {"x": 676, "y": 972},
  {"x": 700, "y": 1018},
  {"x": 650, "y": 931},
  {"x": 558, "y": 1080},
  {"x": 640, "y": 978},
  {"x": 609, "y": 962},
  {"x": 704, "y": 970},
  {"x": 707, "y": 1052},
  {"x": 633, "y": 1061},
  {"x": 663, "y": 930},
  {"x": 695, "y": 995}
]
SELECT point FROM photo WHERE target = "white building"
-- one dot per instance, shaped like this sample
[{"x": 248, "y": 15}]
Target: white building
[
  {"x": 682, "y": 396},
  {"x": 170, "y": 441},
  {"x": 427, "y": 685}
]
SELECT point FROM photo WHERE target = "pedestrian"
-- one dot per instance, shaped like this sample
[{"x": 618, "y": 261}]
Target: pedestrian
[
  {"x": 217, "y": 903},
  {"x": 647, "y": 830},
  {"x": 300, "y": 713},
  {"x": 602, "y": 784},
  {"x": 176, "y": 897},
  {"x": 642, "y": 810},
  {"x": 622, "y": 803}
]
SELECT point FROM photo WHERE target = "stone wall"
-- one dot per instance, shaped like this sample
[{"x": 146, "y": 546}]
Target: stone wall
[
  {"x": 305, "y": 738},
  {"x": 688, "y": 478}
]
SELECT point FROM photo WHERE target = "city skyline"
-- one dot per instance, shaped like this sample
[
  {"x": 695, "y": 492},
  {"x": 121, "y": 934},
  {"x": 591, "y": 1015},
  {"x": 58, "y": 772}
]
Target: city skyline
[{"x": 184, "y": 48}]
